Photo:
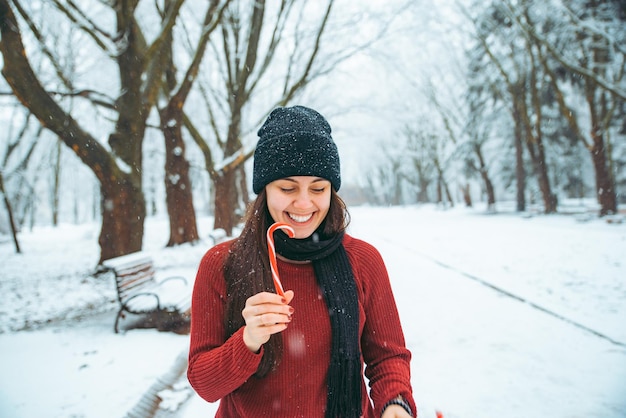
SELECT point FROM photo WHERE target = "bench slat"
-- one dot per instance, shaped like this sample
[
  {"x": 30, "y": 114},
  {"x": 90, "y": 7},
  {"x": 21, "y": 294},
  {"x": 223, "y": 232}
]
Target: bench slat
[{"x": 127, "y": 285}]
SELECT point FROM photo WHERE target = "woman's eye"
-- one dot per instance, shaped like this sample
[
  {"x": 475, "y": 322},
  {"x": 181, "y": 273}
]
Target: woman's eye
[
  {"x": 286, "y": 190},
  {"x": 320, "y": 190}
]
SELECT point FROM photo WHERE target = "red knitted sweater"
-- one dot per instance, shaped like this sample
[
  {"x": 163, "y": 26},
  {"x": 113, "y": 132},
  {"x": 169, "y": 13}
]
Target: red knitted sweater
[{"x": 223, "y": 369}]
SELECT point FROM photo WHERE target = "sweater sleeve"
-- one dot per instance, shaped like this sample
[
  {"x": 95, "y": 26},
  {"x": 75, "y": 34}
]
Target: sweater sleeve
[
  {"x": 384, "y": 351},
  {"x": 217, "y": 366}
]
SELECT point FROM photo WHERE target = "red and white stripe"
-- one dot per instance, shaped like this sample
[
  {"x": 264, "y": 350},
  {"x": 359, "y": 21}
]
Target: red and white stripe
[{"x": 272, "y": 252}]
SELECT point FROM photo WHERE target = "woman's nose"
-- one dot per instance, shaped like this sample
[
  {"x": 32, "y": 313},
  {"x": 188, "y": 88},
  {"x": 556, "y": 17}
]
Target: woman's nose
[{"x": 302, "y": 200}]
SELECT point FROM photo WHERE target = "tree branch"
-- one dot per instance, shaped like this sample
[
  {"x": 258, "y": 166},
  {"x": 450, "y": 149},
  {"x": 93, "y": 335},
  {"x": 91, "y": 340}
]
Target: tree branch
[
  {"x": 571, "y": 66},
  {"x": 92, "y": 30},
  {"x": 40, "y": 39},
  {"x": 210, "y": 23},
  {"x": 27, "y": 88}
]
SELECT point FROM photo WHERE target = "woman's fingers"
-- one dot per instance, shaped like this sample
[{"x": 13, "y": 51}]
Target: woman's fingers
[
  {"x": 269, "y": 319},
  {"x": 265, "y": 314},
  {"x": 266, "y": 302},
  {"x": 266, "y": 297}
]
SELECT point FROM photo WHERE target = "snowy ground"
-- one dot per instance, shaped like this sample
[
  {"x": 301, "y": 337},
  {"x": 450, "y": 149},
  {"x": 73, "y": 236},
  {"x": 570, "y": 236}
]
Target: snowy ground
[{"x": 506, "y": 316}]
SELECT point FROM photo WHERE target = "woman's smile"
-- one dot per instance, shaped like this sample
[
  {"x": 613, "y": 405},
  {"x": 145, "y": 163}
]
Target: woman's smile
[{"x": 300, "y": 218}]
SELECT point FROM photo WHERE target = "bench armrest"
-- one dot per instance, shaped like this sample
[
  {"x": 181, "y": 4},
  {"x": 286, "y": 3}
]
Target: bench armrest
[{"x": 174, "y": 278}]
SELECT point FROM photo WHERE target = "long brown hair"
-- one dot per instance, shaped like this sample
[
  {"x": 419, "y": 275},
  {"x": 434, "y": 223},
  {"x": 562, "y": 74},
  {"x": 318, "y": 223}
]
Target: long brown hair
[{"x": 247, "y": 270}]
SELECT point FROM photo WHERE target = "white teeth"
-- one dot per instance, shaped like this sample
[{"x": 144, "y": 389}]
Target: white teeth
[{"x": 300, "y": 218}]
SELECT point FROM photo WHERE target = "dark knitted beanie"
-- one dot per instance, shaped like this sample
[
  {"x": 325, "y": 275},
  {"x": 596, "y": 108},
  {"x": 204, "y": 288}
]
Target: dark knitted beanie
[{"x": 295, "y": 141}]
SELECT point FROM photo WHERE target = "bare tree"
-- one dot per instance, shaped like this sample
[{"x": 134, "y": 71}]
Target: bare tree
[
  {"x": 516, "y": 66},
  {"x": 268, "y": 53},
  {"x": 117, "y": 167},
  {"x": 422, "y": 172},
  {"x": 179, "y": 197},
  {"x": 586, "y": 41},
  {"x": 244, "y": 61},
  {"x": 466, "y": 123},
  {"x": 18, "y": 180},
  {"x": 385, "y": 179},
  {"x": 14, "y": 141}
]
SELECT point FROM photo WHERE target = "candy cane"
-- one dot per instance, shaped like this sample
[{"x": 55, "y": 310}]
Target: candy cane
[{"x": 272, "y": 252}]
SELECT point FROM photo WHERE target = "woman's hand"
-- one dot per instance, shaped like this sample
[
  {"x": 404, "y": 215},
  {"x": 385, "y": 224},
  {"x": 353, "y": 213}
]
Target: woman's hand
[
  {"x": 395, "y": 411},
  {"x": 265, "y": 314}
]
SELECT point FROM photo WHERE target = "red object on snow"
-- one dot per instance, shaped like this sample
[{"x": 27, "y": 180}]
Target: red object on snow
[
  {"x": 272, "y": 253},
  {"x": 439, "y": 414}
]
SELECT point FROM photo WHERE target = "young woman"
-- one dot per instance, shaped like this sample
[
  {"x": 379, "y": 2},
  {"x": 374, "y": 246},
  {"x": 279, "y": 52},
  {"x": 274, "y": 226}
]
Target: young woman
[{"x": 304, "y": 354}]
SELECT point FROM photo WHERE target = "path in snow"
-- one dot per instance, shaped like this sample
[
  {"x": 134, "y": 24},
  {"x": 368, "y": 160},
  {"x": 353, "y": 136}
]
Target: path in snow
[{"x": 478, "y": 353}]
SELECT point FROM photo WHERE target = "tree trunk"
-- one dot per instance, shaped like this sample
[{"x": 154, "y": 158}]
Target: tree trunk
[
  {"x": 605, "y": 185},
  {"x": 598, "y": 109},
  {"x": 179, "y": 199},
  {"x": 243, "y": 186},
  {"x": 422, "y": 193},
  {"x": 439, "y": 192},
  {"x": 56, "y": 184},
  {"x": 491, "y": 196},
  {"x": 539, "y": 164},
  {"x": 397, "y": 186},
  {"x": 123, "y": 214},
  {"x": 446, "y": 188},
  {"x": 225, "y": 182},
  {"x": 423, "y": 182},
  {"x": 7, "y": 204},
  {"x": 225, "y": 201},
  {"x": 467, "y": 197},
  {"x": 484, "y": 175},
  {"x": 549, "y": 198},
  {"x": 520, "y": 171},
  {"x": 534, "y": 144}
]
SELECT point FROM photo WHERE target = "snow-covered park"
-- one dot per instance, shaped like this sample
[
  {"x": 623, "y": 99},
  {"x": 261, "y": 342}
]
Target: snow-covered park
[{"x": 506, "y": 315}]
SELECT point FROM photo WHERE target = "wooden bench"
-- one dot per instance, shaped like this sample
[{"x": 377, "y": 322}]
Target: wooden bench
[{"x": 139, "y": 293}]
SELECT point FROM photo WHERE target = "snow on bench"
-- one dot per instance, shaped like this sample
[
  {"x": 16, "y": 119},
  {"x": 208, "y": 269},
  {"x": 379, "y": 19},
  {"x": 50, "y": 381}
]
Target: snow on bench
[{"x": 138, "y": 291}]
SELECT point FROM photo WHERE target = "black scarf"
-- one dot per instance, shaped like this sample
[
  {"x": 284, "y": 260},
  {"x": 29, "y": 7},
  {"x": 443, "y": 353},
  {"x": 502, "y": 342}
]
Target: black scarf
[{"x": 336, "y": 280}]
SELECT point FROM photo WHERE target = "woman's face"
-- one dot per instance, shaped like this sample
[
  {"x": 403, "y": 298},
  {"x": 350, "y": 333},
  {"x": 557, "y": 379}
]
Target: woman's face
[{"x": 299, "y": 201}]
